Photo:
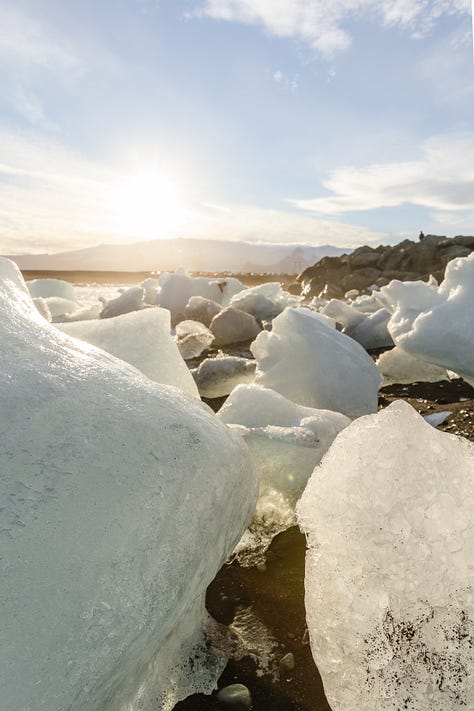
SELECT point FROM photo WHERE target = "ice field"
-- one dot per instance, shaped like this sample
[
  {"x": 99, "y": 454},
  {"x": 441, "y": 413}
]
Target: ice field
[{"x": 123, "y": 494}]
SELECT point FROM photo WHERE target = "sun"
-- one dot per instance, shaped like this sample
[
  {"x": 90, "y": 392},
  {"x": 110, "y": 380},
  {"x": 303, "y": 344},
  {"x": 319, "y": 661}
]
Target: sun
[{"x": 147, "y": 205}]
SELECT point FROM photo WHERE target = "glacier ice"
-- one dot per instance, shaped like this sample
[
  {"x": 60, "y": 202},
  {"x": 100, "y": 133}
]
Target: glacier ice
[
  {"x": 370, "y": 330},
  {"x": 305, "y": 359},
  {"x": 120, "y": 501},
  {"x": 176, "y": 290},
  {"x": 203, "y": 310},
  {"x": 192, "y": 338},
  {"x": 42, "y": 307},
  {"x": 398, "y": 366},
  {"x": 141, "y": 338},
  {"x": 264, "y": 301},
  {"x": 286, "y": 440},
  {"x": 129, "y": 300},
  {"x": 436, "y": 324},
  {"x": 59, "y": 307},
  {"x": 44, "y": 288},
  {"x": 217, "y": 377},
  {"x": 390, "y": 566},
  {"x": 233, "y": 326}
]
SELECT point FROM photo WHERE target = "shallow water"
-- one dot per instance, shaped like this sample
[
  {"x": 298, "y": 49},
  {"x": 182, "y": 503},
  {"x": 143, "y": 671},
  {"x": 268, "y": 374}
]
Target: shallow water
[{"x": 274, "y": 597}]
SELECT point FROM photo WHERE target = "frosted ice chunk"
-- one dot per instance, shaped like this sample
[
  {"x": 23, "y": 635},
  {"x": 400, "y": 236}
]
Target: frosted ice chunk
[
  {"x": 51, "y": 287},
  {"x": 286, "y": 440},
  {"x": 216, "y": 377},
  {"x": 192, "y": 338},
  {"x": 58, "y": 306},
  {"x": 229, "y": 286},
  {"x": 437, "y": 418},
  {"x": 176, "y": 290},
  {"x": 366, "y": 304},
  {"x": 233, "y": 326},
  {"x": 305, "y": 359},
  {"x": 389, "y": 569},
  {"x": 120, "y": 501},
  {"x": 128, "y": 301},
  {"x": 141, "y": 338},
  {"x": 151, "y": 287},
  {"x": 398, "y": 366},
  {"x": 42, "y": 307},
  {"x": 436, "y": 324},
  {"x": 370, "y": 330},
  {"x": 84, "y": 313},
  {"x": 203, "y": 310},
  {"x": 264, "y": 301}
]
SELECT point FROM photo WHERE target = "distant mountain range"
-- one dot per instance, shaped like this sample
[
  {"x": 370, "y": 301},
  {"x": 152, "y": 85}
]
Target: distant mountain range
[{"x": 198, "y": 255}]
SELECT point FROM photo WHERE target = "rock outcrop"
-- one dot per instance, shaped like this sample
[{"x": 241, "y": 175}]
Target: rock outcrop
[{"x": 366, "y": 266}]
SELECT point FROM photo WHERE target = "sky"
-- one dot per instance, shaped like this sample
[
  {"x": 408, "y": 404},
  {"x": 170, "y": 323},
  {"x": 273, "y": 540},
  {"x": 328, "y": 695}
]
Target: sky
[{"x": 347, "y": 122}]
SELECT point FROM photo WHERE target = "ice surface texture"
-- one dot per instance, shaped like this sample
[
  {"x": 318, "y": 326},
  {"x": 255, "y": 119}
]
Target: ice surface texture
[
  {"x": 433, "y": 323},
  {"x": 390, "y": 566},
  {"x": 45, "y": 288},
  {"x": 285, "y": 440},
  {"x": 141, "y": 338},
  {"x": 305, "y": 359},
  {"x": 398, "y": 366},
  {"x": 216, "y": 377},
  {"x": 120, "y": 501}
]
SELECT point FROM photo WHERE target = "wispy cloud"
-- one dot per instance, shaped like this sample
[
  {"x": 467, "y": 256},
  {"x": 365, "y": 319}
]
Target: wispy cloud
[
  {"x": 51, "y": 199},
  {"x": 28, "y": 40},
  {"x": 320, "y": 23},
  {"x": 289, "y": 83},
  {"x": 442, "y": 179}
]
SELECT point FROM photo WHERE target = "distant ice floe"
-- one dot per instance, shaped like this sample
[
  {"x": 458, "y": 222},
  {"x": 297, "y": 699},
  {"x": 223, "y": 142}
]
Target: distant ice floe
[
  {"x": 390, "y": 566},
  {"x": 121, "y": 499},
  {"x": 311, "y": 363}
]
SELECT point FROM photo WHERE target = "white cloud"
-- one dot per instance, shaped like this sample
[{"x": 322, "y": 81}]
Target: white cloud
[
  {"x": 442, "y": 179},
  {"x": 289, "y": 83},
  {"x": 51, "y": 199},
  {"x": 251, "y": 223},
  {"x": 319, "y": 23}
]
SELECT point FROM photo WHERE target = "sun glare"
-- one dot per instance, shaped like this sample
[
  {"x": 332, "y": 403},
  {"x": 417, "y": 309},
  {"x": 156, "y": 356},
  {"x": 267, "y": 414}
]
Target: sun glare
[{"x": 147, "y": 205}]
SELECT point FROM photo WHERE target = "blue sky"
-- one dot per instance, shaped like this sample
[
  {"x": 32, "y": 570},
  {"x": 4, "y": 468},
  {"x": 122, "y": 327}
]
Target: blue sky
[{"x": 347, "y": 122}]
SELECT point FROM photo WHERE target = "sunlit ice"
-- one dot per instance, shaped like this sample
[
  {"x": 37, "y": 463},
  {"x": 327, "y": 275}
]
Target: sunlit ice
[{"x": 147, "y": 204}]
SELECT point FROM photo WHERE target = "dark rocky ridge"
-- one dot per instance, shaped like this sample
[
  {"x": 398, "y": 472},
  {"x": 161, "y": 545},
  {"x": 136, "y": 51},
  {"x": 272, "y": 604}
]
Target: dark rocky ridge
[{"x": 366, "y": 266}]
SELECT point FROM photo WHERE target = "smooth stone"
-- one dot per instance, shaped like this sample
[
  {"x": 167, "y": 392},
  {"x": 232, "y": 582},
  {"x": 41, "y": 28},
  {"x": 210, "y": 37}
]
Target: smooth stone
[{"x": 235, "y": 696}]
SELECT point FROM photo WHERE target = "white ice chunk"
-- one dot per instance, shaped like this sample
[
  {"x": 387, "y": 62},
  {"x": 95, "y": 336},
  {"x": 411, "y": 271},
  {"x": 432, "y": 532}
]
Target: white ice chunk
[
  {"x": 85, "y": 313},
  {"x": 51, "y": 287},
  {"x": 229, "y": 286},
  {"x": 305, "y": 359},
  {"x": 390, "y": 566},
  {"x": 151, "y": 287},
  {"x": 42, "y": 307},
  {"x": 264, "y": 301},
  {"x": 59, "y": 307},
  {"x": 398, "y": 366},
  {"x": 286, "y": 440},
  {"x": 233, "y": 326},
  {"x": 141, "y": 338},
  {"x": 203, "y": 310},
  {"x": 121, "y": 499},
  {"x": 192, "y": 338},
  {"x": 177, "y": 289},
  {"x": 216, "y": 377},
  {"x": 437, "y": 418},
  {"x": 436, "y": 324},
  {"x": 129, "y": 300}
]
